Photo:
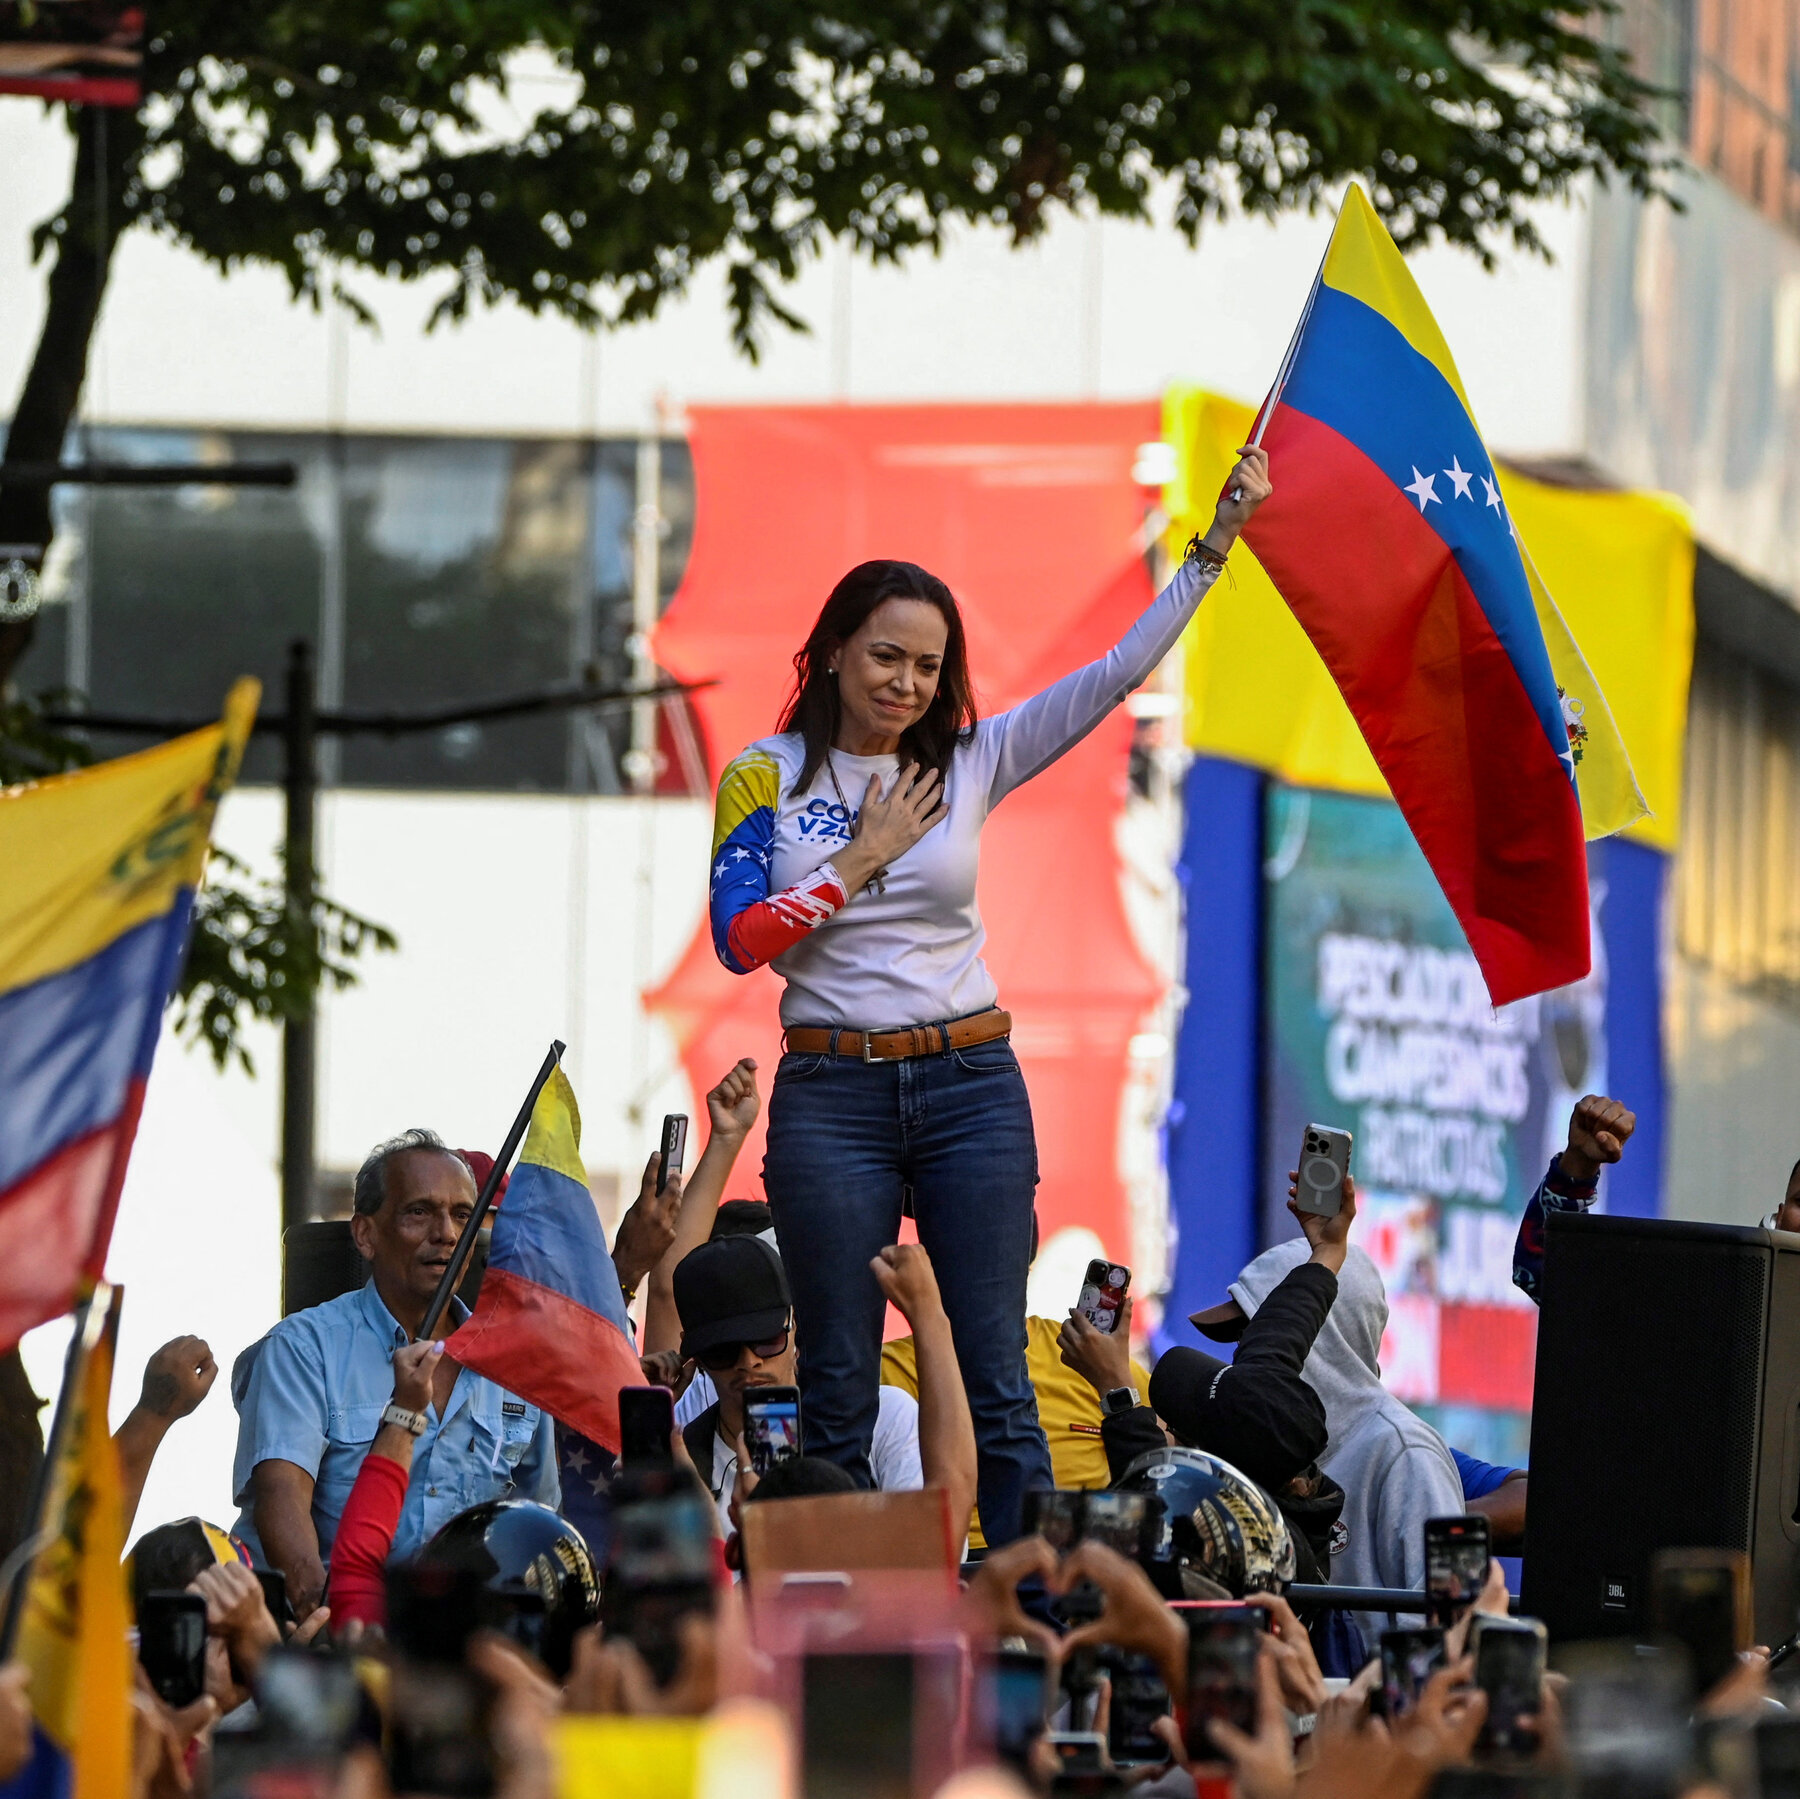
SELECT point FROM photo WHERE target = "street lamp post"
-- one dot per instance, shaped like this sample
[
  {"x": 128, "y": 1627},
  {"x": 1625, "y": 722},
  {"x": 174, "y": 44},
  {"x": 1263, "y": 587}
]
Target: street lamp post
[{"x": 300, "y": 783}]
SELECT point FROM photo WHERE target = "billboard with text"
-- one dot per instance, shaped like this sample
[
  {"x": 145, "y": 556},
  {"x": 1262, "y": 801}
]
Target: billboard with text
[{"x": 1376, "y": 1020}]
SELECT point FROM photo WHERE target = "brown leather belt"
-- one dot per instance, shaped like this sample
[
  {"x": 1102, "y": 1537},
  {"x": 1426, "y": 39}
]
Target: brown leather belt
[{"x": 897, "y": 1046}]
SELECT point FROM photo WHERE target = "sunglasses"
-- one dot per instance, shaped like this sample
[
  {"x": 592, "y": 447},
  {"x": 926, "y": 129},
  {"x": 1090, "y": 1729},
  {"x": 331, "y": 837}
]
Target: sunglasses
[{"x": 723, "y": 1356}]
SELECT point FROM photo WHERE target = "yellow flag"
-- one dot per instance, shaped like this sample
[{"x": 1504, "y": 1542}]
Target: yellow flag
[{"x": 73, "y": 1634}]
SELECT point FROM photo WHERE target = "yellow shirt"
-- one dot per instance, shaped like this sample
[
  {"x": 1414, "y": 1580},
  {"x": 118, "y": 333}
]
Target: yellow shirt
[{"x": 1068, "y": 1407}]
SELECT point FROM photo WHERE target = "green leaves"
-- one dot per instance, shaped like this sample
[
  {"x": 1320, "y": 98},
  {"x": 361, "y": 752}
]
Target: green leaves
[
  {"x": 589, "y": 161},
  {"x": 254, "y": 955}
]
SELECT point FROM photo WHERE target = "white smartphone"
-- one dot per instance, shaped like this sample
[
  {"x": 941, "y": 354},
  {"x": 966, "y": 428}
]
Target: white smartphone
[{"x": 1324, "y": 1161}]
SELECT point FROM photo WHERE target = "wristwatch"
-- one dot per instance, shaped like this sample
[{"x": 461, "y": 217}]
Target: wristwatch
[
  {"x": 411, "y": 1422},
  {"x": 1118, "y": 1400}
]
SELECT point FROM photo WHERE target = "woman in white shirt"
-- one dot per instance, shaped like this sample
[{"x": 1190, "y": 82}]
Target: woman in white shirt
[{"x": 845, "y": 852}]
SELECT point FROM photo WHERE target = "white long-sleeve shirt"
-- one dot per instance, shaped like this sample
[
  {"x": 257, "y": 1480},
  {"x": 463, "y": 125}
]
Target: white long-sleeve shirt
[{"x": 910, "y": 954}]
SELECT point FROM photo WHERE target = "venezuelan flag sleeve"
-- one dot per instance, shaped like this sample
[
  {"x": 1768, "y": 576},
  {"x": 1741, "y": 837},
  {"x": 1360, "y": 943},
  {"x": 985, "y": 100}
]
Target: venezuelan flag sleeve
[
  {"x": 97, "y": 877},
  {"x": 751, "y": 925},
  {"x": 550, "y": 1324},
  {"x": 1389, "y": 538}
]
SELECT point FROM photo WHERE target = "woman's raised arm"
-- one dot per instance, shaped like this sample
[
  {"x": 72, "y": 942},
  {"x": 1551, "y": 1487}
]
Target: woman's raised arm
[{"x": 1049, "y": 724}]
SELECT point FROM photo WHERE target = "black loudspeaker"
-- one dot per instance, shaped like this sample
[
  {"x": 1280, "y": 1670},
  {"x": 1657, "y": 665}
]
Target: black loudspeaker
[
  {"x": 320, "y": 1260},
  {"x": 1666, "y": 1415}
]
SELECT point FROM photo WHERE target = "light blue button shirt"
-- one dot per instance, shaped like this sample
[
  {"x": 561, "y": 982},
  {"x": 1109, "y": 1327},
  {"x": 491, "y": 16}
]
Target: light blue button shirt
[{"x": 314, "y": 1396}]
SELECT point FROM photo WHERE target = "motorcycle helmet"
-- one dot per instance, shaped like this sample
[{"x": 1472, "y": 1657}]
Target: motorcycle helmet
[
  {"x": 535, "y": 1569},
  {"x": 1217, "y": 1529}
]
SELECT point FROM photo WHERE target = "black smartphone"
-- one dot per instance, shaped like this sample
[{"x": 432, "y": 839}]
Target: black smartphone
[
  {"x": 1409, "y": 1658},
  {"x": 1103, "y": 1295},
  {"x": 1139, "y": 1699},
  {"x": 1054, "y": 1513},
  {"x": 857, "y": 1726},
  {"x": 1700, "y": 1598},
  {"x": 1456, "y": 1561},
  {"x": 275, "y": 1595},
  {"x": 1509, "y": 1668},
  {"x": 1118, "y": 1520},
  {"x": 172, "y": 1645},
  {"x": 646, "y": 1427},
  {"x": 659, "y": 1570},
  {"x": 1222, "y": 1652},
  {"x": 1018, "y": 1702},
  {"x": 771, "y": 1426},
  {"x": 1628, "y": 1726},
  {"x": 674, "y": 1148}
]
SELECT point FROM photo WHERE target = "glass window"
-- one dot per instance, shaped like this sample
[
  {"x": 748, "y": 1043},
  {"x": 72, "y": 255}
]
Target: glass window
[
  {"x": 456, "y": 569},
  {"x": 190, "y": 587},
  {"x": 461, "y": 570}
]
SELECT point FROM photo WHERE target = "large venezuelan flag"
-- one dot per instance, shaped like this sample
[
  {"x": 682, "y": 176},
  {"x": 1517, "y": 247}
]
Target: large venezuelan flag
[
  {"x": 97, "y": 876},
  {"x": 551, "y": 1323},
  {"x": 72, "y": 1636},
  {"x": 1389, "y": 538}
]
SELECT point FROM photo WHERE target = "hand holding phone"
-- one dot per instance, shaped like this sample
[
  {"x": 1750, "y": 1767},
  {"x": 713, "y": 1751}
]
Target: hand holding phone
[
  {"x": 1018, "y": 1702},
  {"x": 673, "y": 1150},
  {"x": 172, "y": 1645},
  {"x": 1319, "y": 1178},
  {"x": 1409, "y": 1658},
  {"x": 1222, "y": 1679},
  {"x": 1700, "y": 1598},
  {"x": 771, "y": 1426},
  {"x": 1509, "y": 1667},
  {"x": 1457, "y": 1552},
  {"x": 1103, "y": 1295}
]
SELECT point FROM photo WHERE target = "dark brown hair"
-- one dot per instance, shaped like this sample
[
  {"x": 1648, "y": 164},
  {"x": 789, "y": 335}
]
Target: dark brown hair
[{"x": 813, "y": 708}]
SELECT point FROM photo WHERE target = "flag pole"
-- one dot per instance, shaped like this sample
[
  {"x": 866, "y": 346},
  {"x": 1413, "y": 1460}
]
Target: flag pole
[
  {"x": 465, "y": 1244},
  {"x": 90, "y": 1317},
  {"x": 1287, "y": 361}
]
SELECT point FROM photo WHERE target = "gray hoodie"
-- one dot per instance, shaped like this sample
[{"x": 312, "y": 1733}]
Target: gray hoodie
[{"x": 1393, "y": 1467}]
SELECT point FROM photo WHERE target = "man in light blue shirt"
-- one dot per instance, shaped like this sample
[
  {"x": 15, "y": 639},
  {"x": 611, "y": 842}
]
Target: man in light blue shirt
[{"x": 322, "y": 1378}]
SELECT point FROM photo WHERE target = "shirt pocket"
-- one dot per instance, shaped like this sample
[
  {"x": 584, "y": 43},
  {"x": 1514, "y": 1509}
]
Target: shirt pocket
[
  {"x": 502, "y": 1443},
  {"x": 517, "y": 1436},
  {"x": 354, "y": 1426}
]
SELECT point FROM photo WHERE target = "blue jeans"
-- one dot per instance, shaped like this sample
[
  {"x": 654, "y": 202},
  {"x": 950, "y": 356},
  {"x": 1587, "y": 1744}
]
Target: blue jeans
[{"x": 844, "y": 1138}]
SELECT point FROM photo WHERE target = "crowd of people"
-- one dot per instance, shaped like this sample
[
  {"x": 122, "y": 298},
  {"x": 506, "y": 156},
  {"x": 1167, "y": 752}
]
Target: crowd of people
[
  {"x": 410, "y": 1529},
  {"x": 995, "y": 1554}
]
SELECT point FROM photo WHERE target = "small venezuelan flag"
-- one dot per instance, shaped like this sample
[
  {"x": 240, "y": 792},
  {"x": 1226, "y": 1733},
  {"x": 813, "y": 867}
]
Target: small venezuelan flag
[
  {"x": 551, "y": 1324},
  {"x": 73, "y": 1633},
  {"x": 99, "y": 869},
  {"x": 1389, "y": 537}
]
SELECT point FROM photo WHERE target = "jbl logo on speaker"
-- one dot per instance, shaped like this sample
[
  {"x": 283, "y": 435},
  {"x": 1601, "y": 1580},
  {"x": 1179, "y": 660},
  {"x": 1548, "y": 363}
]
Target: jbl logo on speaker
[{"x": 1614, "y": 1596}]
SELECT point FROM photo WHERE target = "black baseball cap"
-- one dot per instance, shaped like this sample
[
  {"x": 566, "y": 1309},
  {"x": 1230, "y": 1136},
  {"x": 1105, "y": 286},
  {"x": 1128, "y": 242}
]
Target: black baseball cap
[
  {"x": 731, "y": 1290},
  {"x": 1267, "y": 1423}
]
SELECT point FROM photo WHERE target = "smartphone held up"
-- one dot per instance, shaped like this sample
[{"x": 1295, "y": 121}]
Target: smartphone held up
[
  {"x": 771, "y": 1426},
  {"x": 1102, "y": 1298},
  {"x": 1457, "y": 1551},
  {"x": 1324, "y": 1161},
  {"x": 672, "y": 1151}
]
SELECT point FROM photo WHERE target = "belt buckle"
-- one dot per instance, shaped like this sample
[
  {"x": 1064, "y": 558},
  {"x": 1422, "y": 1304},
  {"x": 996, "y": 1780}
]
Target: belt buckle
[{"x": 870, "y": 1061}]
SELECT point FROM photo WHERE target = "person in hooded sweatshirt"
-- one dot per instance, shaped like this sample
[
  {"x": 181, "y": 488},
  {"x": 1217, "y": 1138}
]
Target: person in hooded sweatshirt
[{"x": 1394, "y": 1468}]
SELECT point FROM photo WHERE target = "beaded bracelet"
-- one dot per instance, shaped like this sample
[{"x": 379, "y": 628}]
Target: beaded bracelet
[{"x": 1199, "y": 551}]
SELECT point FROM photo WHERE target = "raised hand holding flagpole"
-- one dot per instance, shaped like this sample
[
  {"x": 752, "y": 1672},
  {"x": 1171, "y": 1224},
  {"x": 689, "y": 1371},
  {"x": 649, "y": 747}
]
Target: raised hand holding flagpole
[{"x": 465, "y": 1244}]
